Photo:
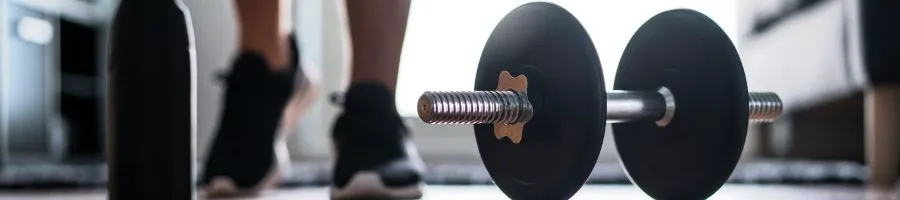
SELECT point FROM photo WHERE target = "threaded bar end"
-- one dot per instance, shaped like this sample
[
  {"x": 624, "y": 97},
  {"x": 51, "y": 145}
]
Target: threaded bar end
[
  {"x": 764, "y": 107},
  {"x": 474, "y": 107}
]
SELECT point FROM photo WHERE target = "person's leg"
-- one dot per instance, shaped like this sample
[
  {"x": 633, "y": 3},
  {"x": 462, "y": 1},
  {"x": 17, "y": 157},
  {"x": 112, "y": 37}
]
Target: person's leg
[
  {"x": 377, "y": 29},
  {"x": 265, "y": 92},
  {"x": 263, "y": 27},
  {"x": 375, "y": 158}
]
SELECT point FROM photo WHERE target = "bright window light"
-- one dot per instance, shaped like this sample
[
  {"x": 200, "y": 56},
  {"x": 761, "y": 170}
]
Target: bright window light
[
  {"x": 35, "y": 30},
  {"x": 444, "y": 38}
]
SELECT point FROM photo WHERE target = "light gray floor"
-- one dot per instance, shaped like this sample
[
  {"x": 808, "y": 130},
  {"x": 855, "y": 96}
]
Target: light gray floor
[{"x": 729, "y": 192}]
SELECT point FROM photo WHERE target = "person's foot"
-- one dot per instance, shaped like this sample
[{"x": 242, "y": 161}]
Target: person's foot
[
  {"x": 375, "y": 158},
  {"x": 249, "y": 153}
]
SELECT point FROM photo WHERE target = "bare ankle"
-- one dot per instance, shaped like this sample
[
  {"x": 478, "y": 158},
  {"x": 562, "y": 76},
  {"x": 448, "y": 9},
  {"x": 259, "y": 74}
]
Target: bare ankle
[{"x": 276, "y": 51}]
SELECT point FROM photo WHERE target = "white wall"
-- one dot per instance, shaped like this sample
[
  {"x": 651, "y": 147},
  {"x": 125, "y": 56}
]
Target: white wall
[{"x": 803, "y": 58}]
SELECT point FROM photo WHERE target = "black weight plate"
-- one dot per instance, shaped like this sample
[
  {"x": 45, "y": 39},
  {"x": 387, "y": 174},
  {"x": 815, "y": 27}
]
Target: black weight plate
[
  {"x": 694, "y": 155},
  {"x": 560, "y": 145}
]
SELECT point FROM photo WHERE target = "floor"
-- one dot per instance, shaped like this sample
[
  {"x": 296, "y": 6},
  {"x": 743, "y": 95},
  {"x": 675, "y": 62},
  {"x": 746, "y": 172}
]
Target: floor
[{"x": 588, "y": 192}]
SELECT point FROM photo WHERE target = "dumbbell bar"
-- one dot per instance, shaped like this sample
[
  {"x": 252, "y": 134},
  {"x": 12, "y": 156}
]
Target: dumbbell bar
[{"x": 511, "y": 107}]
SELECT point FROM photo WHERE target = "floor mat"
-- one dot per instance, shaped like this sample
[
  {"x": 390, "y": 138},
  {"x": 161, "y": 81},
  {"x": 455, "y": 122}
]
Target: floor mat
[{"x": 318, "y": 174}]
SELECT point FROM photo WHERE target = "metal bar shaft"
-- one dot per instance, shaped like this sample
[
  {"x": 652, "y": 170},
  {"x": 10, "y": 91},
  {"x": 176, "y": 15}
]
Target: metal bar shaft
[
  {"x": 482, "y": 107},
  {"x": 624, "y": 106}
]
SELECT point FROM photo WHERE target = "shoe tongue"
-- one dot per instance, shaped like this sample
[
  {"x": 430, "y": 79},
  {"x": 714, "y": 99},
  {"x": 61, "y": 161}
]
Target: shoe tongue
[{"x": 369, "y": 98}]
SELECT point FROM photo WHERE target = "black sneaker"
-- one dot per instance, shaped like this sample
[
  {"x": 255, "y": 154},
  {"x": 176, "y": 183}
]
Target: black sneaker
[
  {"x": 249, "y": 153},
  {"x": 375, "y": 158}
]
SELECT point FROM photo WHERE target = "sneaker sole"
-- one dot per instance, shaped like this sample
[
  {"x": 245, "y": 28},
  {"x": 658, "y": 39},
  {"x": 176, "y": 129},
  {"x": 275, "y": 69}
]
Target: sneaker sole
[{"x": 368, "y": 185}]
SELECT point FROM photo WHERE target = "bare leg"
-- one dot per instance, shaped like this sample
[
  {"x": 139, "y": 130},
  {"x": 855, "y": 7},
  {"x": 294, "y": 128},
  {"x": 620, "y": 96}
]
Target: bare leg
[
  {"x": 372, "y": 145},
  {"x": 263, "y": 27},
  {"x": 376, "y": 33}
]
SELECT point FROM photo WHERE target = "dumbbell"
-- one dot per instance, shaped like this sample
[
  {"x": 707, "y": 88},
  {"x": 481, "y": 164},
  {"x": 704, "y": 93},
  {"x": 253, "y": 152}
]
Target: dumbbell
[{"x": 680, "y": 105}]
